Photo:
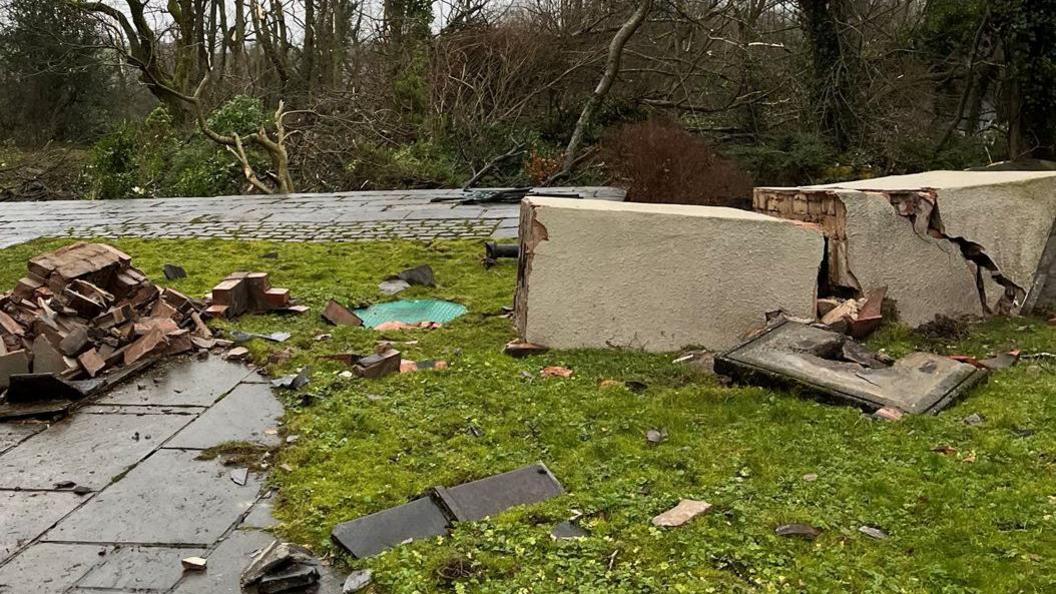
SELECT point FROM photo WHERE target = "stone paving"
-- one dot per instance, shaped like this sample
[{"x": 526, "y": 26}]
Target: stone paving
[
  {"x": 345, "y": 216},
  {"x": 149, "y": 502}
]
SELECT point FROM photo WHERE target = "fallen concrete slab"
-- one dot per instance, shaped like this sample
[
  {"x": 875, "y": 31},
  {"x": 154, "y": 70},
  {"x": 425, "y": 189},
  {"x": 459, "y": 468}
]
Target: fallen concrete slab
[
  {"x": 657, "y": 277},
  {"x": 943, "y": 242},
  {"x": 834, "y": 366}
]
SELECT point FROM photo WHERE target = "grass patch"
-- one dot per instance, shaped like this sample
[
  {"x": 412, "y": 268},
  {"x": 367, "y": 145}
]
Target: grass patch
[
  {"x": 978, "y": 521},
  {"x": 240, "y": 453}
]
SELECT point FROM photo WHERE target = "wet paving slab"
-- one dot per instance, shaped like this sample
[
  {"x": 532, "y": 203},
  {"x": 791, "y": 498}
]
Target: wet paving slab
[
  {"x": 89, "y": 450},
  {"x": 142, "y": 504},
  {"x": 248, "y": 414},
  {"x": 49, "y": 568},
  {"x": 188, "y": 382},
  {"x": 136, "y": 568},
  {"x": 169, "y": 498},
  {"x": 24, "y": 515}
]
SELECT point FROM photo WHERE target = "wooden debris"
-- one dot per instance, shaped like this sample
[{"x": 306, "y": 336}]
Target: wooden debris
[{"x": 520, "y": 348}]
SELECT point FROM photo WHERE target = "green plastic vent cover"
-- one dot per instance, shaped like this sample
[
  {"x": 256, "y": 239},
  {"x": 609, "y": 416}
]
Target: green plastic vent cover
[{"x": 410, "y": 311}]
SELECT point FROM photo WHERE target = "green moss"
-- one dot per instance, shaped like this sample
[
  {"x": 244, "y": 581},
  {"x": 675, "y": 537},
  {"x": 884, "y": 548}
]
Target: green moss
[{"x": 955, "y": 525}]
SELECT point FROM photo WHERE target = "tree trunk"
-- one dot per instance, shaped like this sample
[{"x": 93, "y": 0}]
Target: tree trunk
[
  {"x": 612, "y": 70},
  {"x": 833, "y": 88}
]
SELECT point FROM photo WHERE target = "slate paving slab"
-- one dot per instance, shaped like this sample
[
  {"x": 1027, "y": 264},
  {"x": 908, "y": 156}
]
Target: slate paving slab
[
  {"x": 491, "y": 496},
  {"x": 12, "y": 434},
  {"x": 137, "y": 410},
  {"x": 138, "y": 568},
  {"x": 246, "y": 414},
  {"x": 370, "y": 535},
  {"x": 88, "y": 449},
  {"x": 187, "y": 382},
  {"x": 25, "y": 515},
  {"x": 169, "y": 498},
  {"x": 49, "y": 568}
]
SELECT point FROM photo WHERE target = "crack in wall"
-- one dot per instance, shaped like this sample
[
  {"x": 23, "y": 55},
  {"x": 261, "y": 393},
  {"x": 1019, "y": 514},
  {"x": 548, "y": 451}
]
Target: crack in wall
[{"x": 922, "y": 209}]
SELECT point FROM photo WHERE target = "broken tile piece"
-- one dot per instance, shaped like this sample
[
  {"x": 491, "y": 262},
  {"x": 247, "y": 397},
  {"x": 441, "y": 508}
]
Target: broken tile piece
[
  {"x": 486, "y": 497},
  {"x": 686, "y": 510},
  {"x": 568, "y": 531},
  {"x": 194, "y": 563},
  {"x": 338, "y": 315},
  {"x": 805, "y": 531},
  {"x": 356, "y": 581}
]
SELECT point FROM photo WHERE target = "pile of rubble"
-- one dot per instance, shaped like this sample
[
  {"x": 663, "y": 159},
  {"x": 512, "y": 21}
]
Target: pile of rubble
[{"x": 83, "y": 318}]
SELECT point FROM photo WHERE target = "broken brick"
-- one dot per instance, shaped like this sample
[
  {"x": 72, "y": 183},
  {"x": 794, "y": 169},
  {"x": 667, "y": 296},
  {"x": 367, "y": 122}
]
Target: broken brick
[
  {"x": 379, "y": 364},
  {"x": 339, "y": 315},
  {"x": 92, "y": 362}
]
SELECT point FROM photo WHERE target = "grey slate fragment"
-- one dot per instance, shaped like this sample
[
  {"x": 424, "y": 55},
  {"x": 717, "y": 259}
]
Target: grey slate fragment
[
  {"x": 356, "y": 581},
  {"x": 393, "y": 287},
  {"x": 568, "y": 531},
  {"x": 239, "y": 476},
  {"x": 419, "y": 275},
  {"x": 477, "y": 500},
  {"x": 174, "y": 272},
  {"x": 36, "y": 387},
  {"x": 873, "y": 532},
  {"x": 274, "y": 557},
  {"x": 370, "y": 535},
  {"x": 800, "y": 530},
  {"x": 294, "y": 579}
]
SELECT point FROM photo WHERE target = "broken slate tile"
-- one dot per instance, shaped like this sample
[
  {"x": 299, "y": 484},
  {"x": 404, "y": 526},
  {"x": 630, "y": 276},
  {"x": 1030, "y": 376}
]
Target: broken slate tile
[
  {"x": 356, "y": 581},
  {"x": 240, "y": 476},
  {"x": 84, "y": 449},
  {"x": 294, "y": 579},
  {"x": 26, "y": 515},
  {"x": 419, "y": 275},
  {"x": 184, "y": 382},
  {"x": 274, "y": 558},
  {"x": 568, "y": 531},
  {"x": 47, "y": 568},
  {"x": 686, "y": 510},
  {"x": 393, "y": 287},
  {"x": 477, "y": 500},
  {"x": 138, "y": 568},
  {"x": 292, "y": 382},
  {"x": 246, "y": 414},
  {"x": 174, "y": 272},
  {"x": 798, "y": 530},
  {"x": 37, "y": 387},
  {"x": 377, "y": 532},
  {"x": 873, "y": 532},
  {"x": 200, "y": 504}
]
